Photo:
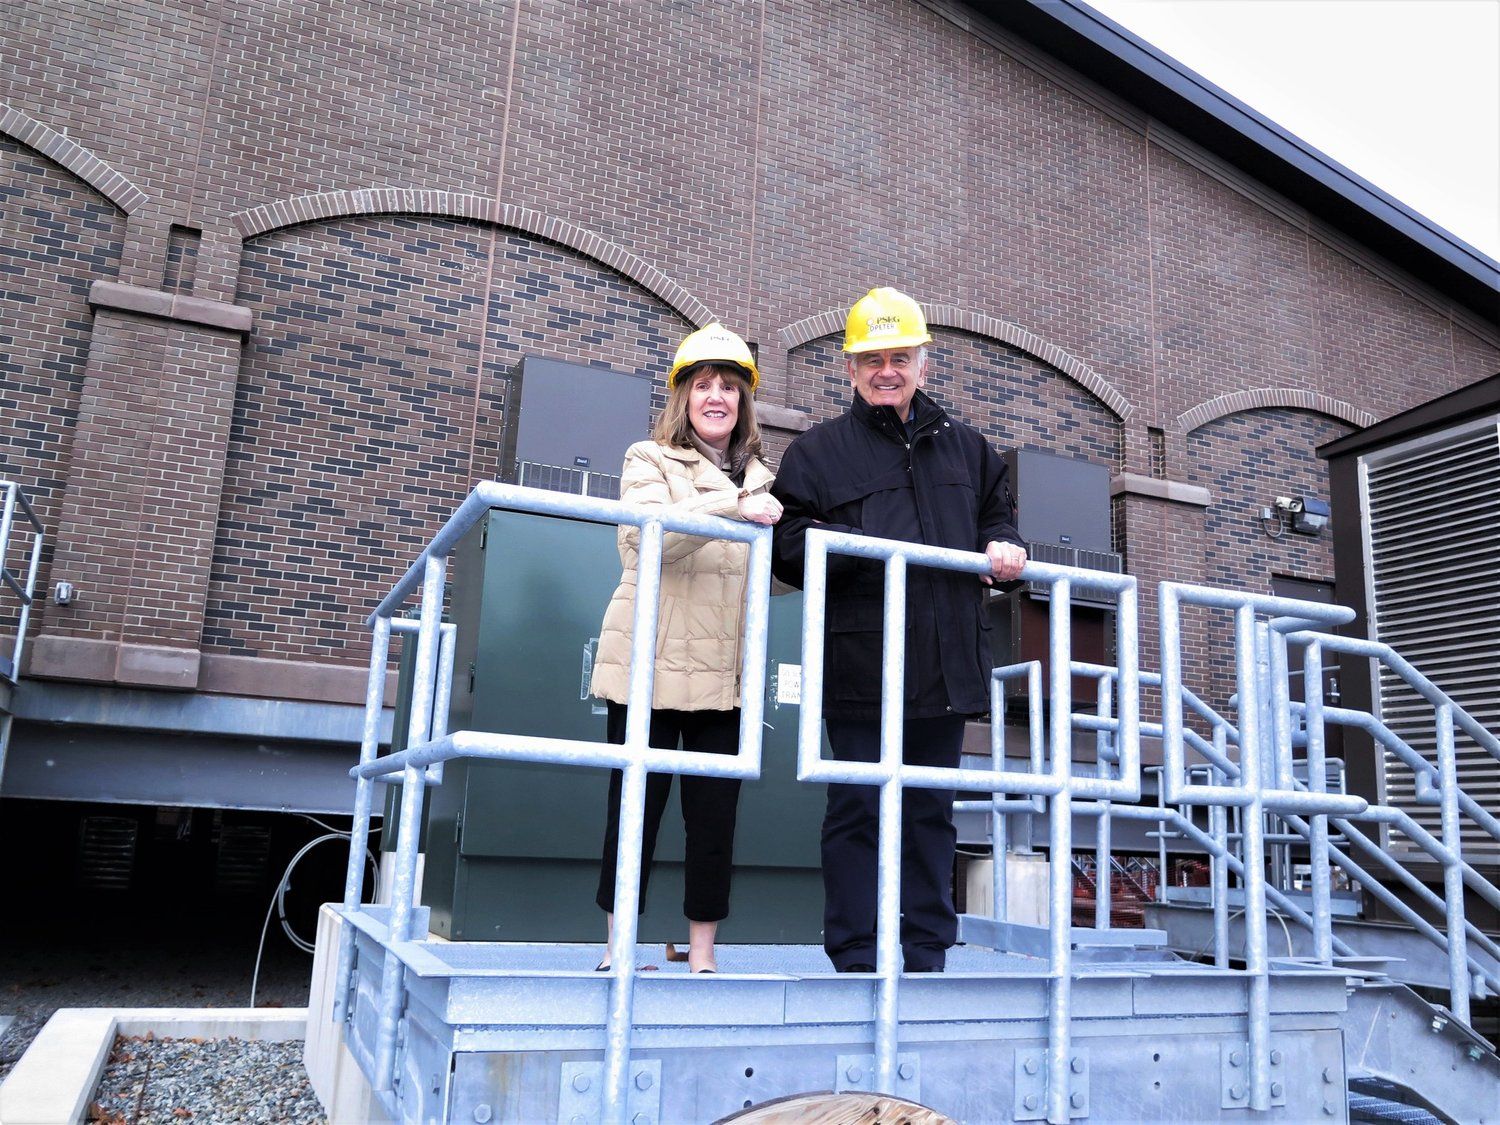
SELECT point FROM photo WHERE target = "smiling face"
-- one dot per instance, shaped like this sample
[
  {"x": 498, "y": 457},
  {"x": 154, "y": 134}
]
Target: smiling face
[
  {"x": 713, "y": 407},
  {"x": 889, "y": 378}
]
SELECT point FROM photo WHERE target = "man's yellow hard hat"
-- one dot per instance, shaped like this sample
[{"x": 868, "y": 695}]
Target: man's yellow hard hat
[
  {"x": 714, "y": 344},
  {"x": 885, "y": 318}
]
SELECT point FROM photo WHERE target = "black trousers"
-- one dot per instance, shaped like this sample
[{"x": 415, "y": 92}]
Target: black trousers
[
  {"x": 709, "y": 805},
  {"x": 851, "y": 839}
]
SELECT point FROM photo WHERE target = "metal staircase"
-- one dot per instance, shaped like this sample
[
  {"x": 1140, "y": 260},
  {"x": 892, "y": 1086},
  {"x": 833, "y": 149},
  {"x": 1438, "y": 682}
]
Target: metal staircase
[{"x": 1056, "y": 1022}]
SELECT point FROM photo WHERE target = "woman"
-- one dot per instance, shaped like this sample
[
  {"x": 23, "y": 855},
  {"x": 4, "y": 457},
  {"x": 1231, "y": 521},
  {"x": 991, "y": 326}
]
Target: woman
[{"x": 703, "y": 458}]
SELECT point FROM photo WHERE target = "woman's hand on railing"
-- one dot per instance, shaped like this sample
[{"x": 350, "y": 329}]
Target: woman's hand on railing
[{"x": 761, "y": 507}]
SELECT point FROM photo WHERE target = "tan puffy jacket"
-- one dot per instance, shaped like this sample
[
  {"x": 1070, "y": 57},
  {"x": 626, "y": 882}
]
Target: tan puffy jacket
[{"x": 701, "y": 618}]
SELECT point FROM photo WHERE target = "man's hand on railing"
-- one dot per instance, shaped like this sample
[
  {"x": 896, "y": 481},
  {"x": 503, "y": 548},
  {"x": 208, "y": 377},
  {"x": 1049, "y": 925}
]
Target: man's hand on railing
[{"x": 1006, "y": 562}]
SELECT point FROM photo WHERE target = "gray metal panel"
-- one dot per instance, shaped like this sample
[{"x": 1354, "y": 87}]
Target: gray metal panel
[
  {"x": 49, "y": 762},
  {"x": 579, "y": 417},
  {"x": 1062, "y": 500},
  {"x": 47, "y": 701}
]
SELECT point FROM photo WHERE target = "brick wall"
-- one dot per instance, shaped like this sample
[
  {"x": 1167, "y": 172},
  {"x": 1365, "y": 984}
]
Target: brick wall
[
  {"x": 676, "y": 160},
  {"x": 369, "y": 403},
  {"x": 1012, "y": 398},
  {"x": 57, "y": 236},
  {"x": 1247, "y": 460}
]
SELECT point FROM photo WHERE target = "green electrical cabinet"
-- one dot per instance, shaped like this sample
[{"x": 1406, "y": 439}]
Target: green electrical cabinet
[{"x": 512, "y": 849}]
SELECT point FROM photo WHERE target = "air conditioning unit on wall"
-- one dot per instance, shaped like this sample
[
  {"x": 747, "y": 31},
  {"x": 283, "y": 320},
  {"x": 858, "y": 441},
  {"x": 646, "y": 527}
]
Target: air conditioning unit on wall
[
  {"x": 1063, "y": 513},
  {"x": 567, "y": 425}
]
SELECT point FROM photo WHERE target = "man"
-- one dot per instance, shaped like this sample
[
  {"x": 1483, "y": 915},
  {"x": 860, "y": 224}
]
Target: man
[{"x": 896, "y": 466}]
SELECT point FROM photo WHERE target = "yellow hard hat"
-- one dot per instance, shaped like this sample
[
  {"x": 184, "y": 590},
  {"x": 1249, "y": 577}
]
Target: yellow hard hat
[
  {"x": 714, "y": 344},
  {"x": 885, "y": 318}
]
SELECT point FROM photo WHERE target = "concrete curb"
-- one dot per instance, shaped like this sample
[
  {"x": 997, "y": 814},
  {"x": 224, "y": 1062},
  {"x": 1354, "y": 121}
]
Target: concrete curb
[{"x": 53, "y": 1082}]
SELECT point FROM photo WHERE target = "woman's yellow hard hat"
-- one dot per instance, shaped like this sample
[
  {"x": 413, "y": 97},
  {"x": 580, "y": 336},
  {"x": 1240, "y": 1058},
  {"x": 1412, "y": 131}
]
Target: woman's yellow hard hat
[
  {"x": 885, "y": 318},
  {"x": 714, "y": 344}
]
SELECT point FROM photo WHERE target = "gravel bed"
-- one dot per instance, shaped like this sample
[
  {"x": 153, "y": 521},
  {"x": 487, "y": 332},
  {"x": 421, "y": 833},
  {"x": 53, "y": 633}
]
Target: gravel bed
[
  {"x": 150, "y": 1081},
  {"x": 39, "y": 976},
  {"x": 131, "y": 954}
]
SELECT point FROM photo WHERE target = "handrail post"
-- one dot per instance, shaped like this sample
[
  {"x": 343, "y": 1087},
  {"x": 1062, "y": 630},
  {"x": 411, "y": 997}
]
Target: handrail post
[
  {"x": 616, "y": 1088},
  {"x": 1317, "y": 780},
  {"x": 359, "y": 829},
  {"x": 403, "y": 885},
  {"x": 1102, "y": 828},
  {"x": 999, "y": 821},
  {"x": 1453, "y": 878},
  {"x": 1060, "y": 823},
  {"x": 1253, "y": 738},
  {"x": 1161, "y": 833},
  {"x": 887, "y": 932},
  {"x": 1218, "y": 826}
]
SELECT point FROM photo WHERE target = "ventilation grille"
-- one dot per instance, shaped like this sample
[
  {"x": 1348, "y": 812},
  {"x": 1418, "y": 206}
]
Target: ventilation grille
[
  {"x": 106, "y": 852},
  {"x": 1434, "y": 537},
  {"x": 243, "y": 860},
  {"x": 1075, "y": 556},
  {"x": 575, "y": 482}
]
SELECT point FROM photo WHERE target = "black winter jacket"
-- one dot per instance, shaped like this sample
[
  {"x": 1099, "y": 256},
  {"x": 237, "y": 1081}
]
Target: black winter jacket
[{"x": 945, "y": 487}]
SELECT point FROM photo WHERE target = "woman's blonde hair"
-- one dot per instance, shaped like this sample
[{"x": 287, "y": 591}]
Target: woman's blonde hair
[{"x": 676, "y": 429}]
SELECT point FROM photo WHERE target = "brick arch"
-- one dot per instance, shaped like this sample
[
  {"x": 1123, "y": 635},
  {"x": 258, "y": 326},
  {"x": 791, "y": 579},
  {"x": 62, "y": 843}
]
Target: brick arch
[
  {"x": 1264, "y": 398},
  {"x": 966, "y": 320},
  {"x": 464, "y": 205},
  {"x": 68, "y": 153}
]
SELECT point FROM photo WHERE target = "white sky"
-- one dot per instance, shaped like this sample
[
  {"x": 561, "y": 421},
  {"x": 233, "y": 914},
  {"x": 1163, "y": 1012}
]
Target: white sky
[{"x": 1406, "y": 93}]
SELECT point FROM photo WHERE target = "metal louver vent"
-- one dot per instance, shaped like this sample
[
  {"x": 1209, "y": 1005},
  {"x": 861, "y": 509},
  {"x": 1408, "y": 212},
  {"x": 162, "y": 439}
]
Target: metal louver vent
[
  {"x": 243, "y": 859},
  {"x": 1433, "y": 540},
  {"x": 1075, "y": 556},
  {"x": 577, "y": 482},
  {"x": 106, "y": 852}
]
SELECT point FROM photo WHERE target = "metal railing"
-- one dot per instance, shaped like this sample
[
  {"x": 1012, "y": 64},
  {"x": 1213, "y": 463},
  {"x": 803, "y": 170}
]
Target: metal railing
[
  {"x": 1056, "y": 784},
  {"x": 24, "y": 590},
  {"x": 1436, "y": 784},
  {"x": 429, "y": 744},
  {"x": 1246, "y": 779}
]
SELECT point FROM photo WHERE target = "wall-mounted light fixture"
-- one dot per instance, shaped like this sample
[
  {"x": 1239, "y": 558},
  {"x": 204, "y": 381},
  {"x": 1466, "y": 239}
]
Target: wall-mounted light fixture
[{"x": 1306, "y": 515}]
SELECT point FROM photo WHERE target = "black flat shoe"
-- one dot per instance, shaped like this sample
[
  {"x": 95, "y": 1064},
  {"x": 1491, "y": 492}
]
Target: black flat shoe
[
  {"x": 858, "y": 967},
  {"x": 601, "y": 967},
  {"x": 705, "y": 970}
]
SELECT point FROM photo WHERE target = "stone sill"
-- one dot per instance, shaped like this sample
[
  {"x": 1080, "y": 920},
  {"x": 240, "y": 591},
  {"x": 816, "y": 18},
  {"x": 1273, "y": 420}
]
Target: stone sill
[
  {"x": 200, "y": 312},
  {"x": 1133, "y": 484}
]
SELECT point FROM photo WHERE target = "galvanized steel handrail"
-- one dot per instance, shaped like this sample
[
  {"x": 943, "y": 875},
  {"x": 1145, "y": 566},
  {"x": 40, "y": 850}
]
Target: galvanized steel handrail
[
  {"x": 24, "y": 591},
  {"x": 1058, "y": 784},
  {"x": 1265, "y": 769},
  {"x": 429, "y": 744},
  {"x": 1448, "y": 795},
  {"x": 1263, "y": 782},
  {"x": 1435, "y": 785}
]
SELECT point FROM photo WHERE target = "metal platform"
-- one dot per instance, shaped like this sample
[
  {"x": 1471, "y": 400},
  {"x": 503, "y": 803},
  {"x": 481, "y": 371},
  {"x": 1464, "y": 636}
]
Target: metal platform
[
  {"x": 511, "y": 1032},
  {"x": 1404, "y": 953},
  {"x": 1030, "y": 1022}
]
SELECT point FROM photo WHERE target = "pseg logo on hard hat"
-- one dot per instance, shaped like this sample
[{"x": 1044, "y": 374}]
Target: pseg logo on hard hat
[{"x": 883, "y": 325}]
